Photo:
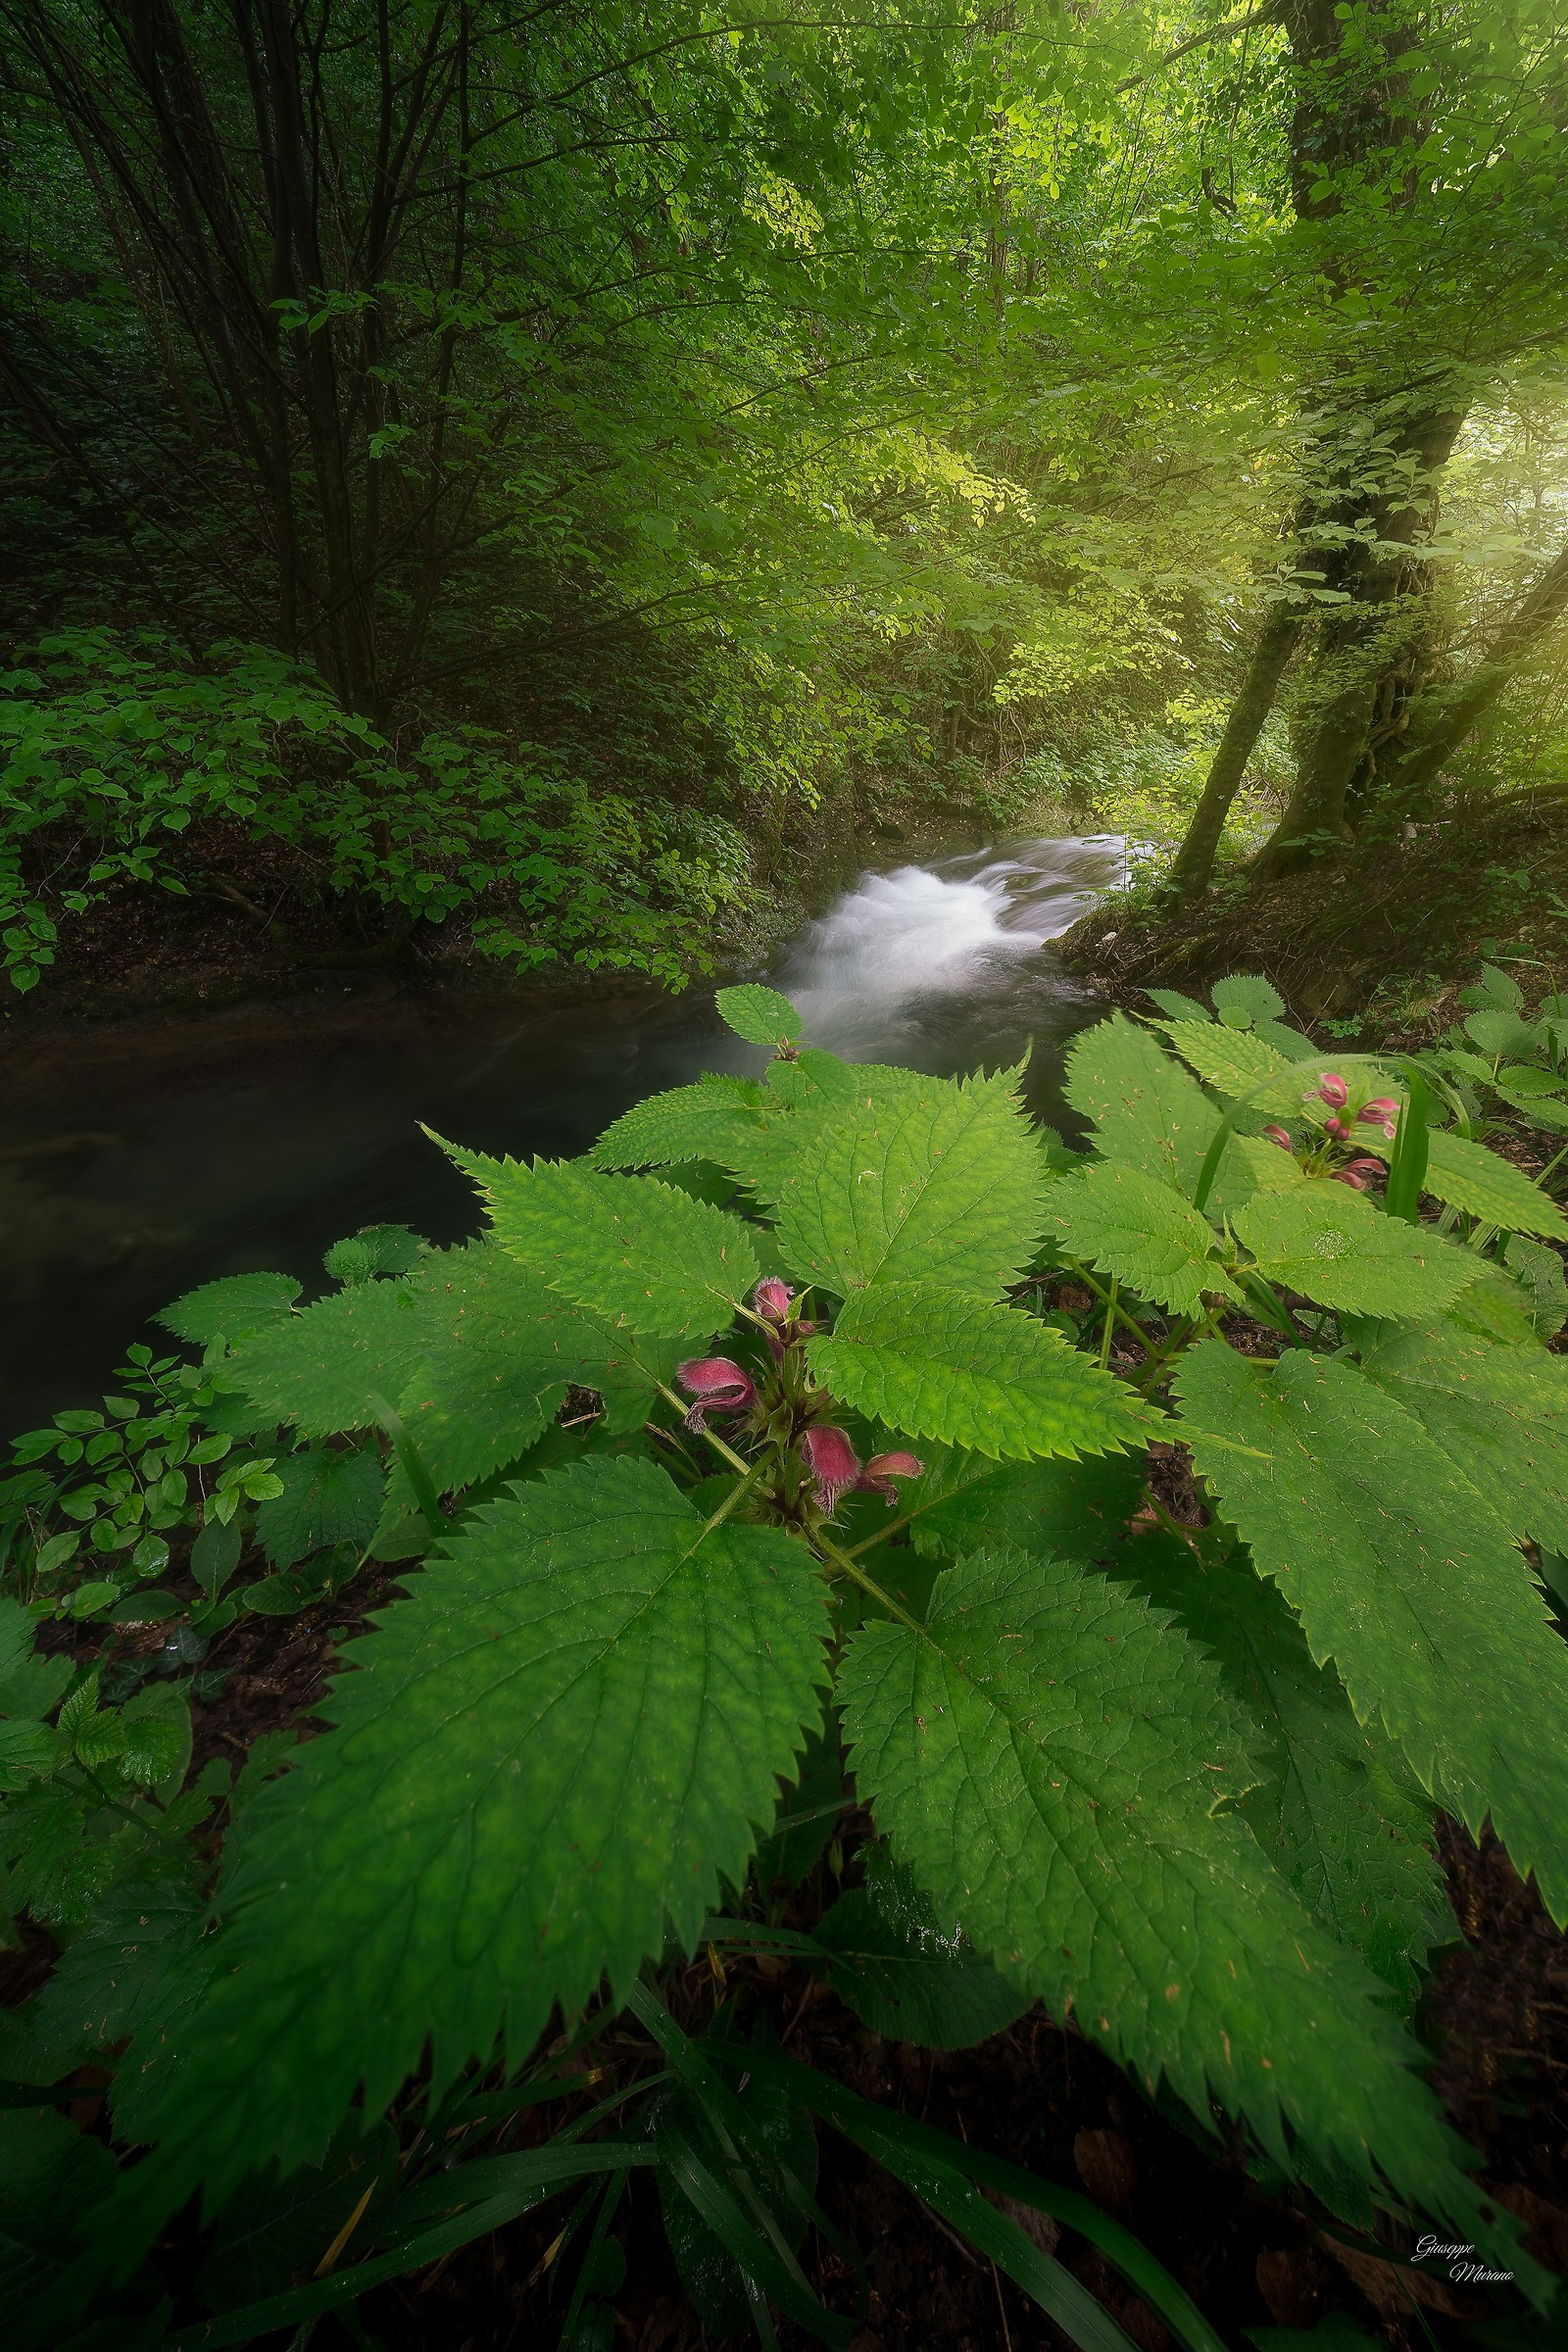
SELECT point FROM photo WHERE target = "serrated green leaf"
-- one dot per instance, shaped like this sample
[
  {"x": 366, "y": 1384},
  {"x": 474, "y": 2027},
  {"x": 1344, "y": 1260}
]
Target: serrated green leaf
[
  {"x": 1537, "y": 1110},
  {"x": 1467, "y": 1176},
  {"x": 52, "y": 2179},
  {"x": 1496, "y": 1308},
  {"x": 1541, "y": 1272},
  {"x": 1075, "y": 1508},
  {"x": 1336, "y": 1250},
  {"x": 1338, "y": 1812},
  {"x": 1236, "y": 1060},
  {"x": 719, "y": 1119},
  {"x": 1498, "y": 1032},
  {"x": 921, "y": 1179},
  {"x": 1179, "y": 1008},
  {"x": 906, "y": 1980},
  {"x": 1400, "y": 1570},
  {"x": 16, "y": 1634},
  {"x": 545, "y": 1755},
  {"x": 1048, "y": 1757},
  {"x": 1499, "y": 1414},
  {"x": 327, "y": 1497},
  {"x": 276, "y": 2230},
  {"x": 1141, "y": 1231},
  {"x": 1147, "y": 1112},
  {"x": 1244, "y": 998},
  {"x": 758, "y": 1014},
  {"x": 320, "y": 1369},
  {"x": 27, "y": 1750},
  {"x": 112, "y": 1981},
  {"x": 938, "y": 1363},
  {"x": 643, "y": 1253},
  {"x": 232, "y": 1309}
]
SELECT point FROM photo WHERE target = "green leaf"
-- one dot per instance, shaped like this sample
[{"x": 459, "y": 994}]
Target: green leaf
[
  {"x": 722, "y": 1119},
  {"x": 232, "y": 1309},
  {"x": 1141, "y": 1231},
  {"x": 1234, "y": 1061},
  {"x": 903, "y": 1977},
  {"x": 1244, "y": 999},
  {"x": 16, "y": 1634},
  {"x": 275, "y": 2227},
  {"x": 27, "y": 1750},
  {"x": 760, "y": 1015},
  {"x": 938, "y": 1363},
  {"x": 1400, "y": 1570},
  {"x": 215, "y": 1555},
  {"x": 1541, "y": 1271},
  {"x": 643, "y": 1253},
  {"x": 915, "y": 1179},
  {"x": 1075, "y": 1508},
  {"x": 808, "y": 1814},
  {"x": 373, "y": 1250},
  {"x": 545, "y": 1756},
  {"x": 1179, "y": 1008},
  {"x": 1469, "y": 1177},
  {"x": 320, "y": 1370},
  {"x": 113, "y": 1981},
  {"x": 1048, "y": 1757},
  {"x": 1499, "y": 1414},
  {"x": 1338, "y": 1812},
  {"x": 327, "y": 1497},
  {"x": 52, "y": 2178},
  {"x": 1336, "y": 1250},
  {"x": 1147, "y": 1112}
]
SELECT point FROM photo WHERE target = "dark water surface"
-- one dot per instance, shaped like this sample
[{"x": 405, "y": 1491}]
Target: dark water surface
[{"x": 169, "y": 1158}]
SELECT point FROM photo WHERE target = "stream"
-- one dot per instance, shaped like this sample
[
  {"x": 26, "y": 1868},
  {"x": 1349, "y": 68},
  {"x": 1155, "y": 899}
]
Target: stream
[{"x": 147, "y": 1164}]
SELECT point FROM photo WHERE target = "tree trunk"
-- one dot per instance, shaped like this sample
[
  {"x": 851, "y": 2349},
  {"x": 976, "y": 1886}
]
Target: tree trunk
[
  {"x": 1193, "y": 865},
  {"x": 1353, "y": 658},
  {"x": 1538, "y": 610}
]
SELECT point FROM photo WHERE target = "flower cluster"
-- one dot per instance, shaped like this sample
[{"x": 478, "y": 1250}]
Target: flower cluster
[
  {"x": 1340, "y": 1127},
  {"x": 716, "y": 1384}
]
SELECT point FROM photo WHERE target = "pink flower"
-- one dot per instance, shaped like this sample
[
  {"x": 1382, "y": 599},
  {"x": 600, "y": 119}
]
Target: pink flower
[
  {"x": 1332, "y": 1090},
  {"x": 1388, "y": 1130},
  {"x": 883, "y": 1468},
  {"x": 771, "y": 1300},
  {"x": 1357, "y": 1184},
  {"x": 1380, "y": 1108},
  {"x": 833, "y": 1464},
  {"x": 1363, "y": 1167},
  {"x": 718, "y": 1386},
  {"x": 1277, "y": 1135}
]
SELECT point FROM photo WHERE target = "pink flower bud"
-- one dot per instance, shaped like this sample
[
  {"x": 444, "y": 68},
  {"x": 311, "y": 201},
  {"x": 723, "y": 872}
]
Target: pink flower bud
[
  {"x": 883, "y": 1468},
  {"x": 1357, "y": 1184},
  {"x": 1277, "y": 1135},
  {"x": 1388, "y": 1130},
  {"x": 833, "y": 1464},
  {"x": 1381, "y": 1108},
  {"x": 1337, "y": 1129},
  {"x": 719, "y": 1387},
  {"x": 771, "y": 1300},
  {"x": 1332, "y": 1090}
]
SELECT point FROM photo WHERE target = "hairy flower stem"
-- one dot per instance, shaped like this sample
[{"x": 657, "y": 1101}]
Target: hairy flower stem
[
  {"x": 735, "y": 1495},
  {"x": 735, "y": 1460}
]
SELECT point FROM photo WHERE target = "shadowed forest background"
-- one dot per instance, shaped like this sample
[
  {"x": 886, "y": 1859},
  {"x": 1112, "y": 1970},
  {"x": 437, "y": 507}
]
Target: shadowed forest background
[{"x": 528, "y": 484}]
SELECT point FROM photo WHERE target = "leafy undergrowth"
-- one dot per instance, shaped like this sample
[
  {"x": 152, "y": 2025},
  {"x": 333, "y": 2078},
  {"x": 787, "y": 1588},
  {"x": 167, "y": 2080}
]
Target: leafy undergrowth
[{"x": 1227, "y": 1572}]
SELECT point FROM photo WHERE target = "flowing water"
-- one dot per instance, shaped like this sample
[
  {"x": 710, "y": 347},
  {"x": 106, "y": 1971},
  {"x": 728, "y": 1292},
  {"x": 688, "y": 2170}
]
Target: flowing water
[{"x": 160, "y": 1160}]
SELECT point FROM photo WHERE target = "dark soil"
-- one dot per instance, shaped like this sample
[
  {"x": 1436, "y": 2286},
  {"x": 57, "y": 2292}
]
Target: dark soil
[{"x": 1496, "y": 2016}]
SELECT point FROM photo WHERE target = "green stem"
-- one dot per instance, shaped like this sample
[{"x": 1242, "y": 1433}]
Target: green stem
[
  {"x": 843, "y": 1559},
  {"x": 735, "y": 1460},
  {"x": 1111, "y": 1325},
  {"x": 1107, "y": 1300}
]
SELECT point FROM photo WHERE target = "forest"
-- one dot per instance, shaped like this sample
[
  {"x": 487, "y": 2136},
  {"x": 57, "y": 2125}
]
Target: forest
[{"x": 784, "y": 1201}]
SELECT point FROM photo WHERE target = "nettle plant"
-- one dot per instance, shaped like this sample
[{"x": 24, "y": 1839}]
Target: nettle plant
[{"x": 750, "y": 1451}]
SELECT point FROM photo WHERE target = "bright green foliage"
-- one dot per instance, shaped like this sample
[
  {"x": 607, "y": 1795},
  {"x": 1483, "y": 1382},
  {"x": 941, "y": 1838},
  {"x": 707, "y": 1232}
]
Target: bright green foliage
[
  {"x": 648, "y": 1257},
  {"x": 1147, "y": 1112},
  {"x": 322, "y": 1370},
  {"x": 1469, "y": 1177},
  {"x": 718, "y": 1118},
  {"x": 1245, "y": 1000},
  {"x": 1401, "y": 1572},
  {"x": 1336, "y": 1811},
  {"x": 1500, "y": 1415},
  {"x": 760, "y": 1015},
  {"x": 1142, "y": 1231},
  {"x": 1541, "y": 1271},
  {"x": 938, "y": 1363},
  {"x": 1051, "y": 1759},
  {"x": 1236, "y": 1061},
  {"x": 233, "y": 1307},
  {"x": 1078, "y": 1508},
  {"x": 567, "y": 1733},
  {"x": 1333, "y": 1246},
  {"x": 915, "y": 1180}
]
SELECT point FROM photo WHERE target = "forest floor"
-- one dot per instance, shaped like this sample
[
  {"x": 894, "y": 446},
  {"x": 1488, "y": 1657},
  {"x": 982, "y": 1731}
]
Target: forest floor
[{"x": 1382, "y": 935}]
